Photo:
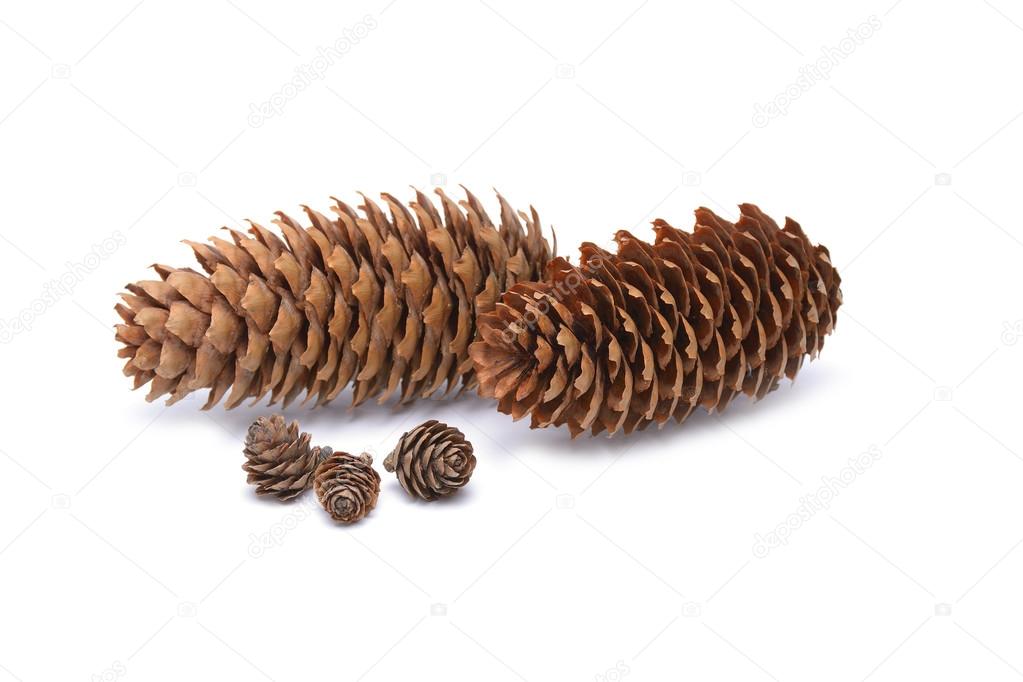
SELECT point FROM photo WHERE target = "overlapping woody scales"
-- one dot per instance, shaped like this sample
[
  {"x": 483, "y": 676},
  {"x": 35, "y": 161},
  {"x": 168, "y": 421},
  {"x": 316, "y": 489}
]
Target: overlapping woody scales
[
  {"x": 646, "y": 334},
  {"x": 386, "y": 303},
  {"x": 432, "y": 460},
  {"x": 347, "y": 486},
  {"x": 279, "y": 459}
]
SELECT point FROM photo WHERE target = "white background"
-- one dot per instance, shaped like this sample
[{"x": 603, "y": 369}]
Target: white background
[{"x": 129, "y": 542}]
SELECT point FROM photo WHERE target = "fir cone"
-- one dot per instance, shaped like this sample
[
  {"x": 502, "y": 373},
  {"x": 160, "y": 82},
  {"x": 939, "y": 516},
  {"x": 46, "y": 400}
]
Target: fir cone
[
  {"x": 432, "y": 460},
  {"x": 347, "y": 486},
  {"x": 650, "y": 332},
  {"x": 279, "y": 460},
  {"x": 385, "y": 303}
]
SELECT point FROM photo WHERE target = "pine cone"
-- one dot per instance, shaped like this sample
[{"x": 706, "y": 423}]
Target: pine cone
[
  {"x": 385, "y": 303},
  {"x": 648, "y": 333},
  {"x": 347, "y": 486},
  {"x": 432, "y": 460},
  {"x": 279, "y": 460}
]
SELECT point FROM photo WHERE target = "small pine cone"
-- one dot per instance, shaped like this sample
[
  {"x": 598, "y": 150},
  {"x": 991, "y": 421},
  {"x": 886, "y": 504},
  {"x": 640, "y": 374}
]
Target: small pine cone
[
  {"x": 646, "y": 334},
  {"x": 279, "y": 460},
  {"x": 383, "y": 300},
  {"x": 347, "y": 486},
  {"x": 432, "y": 460}
]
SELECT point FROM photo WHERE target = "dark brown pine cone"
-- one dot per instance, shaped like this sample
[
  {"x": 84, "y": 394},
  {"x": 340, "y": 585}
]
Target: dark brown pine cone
[
  {"x": 347, "y": 486},
  {"x": 432, "y": 460},
  {"x": 279, "y": 460},
  {"x": 644, "y": 335}
]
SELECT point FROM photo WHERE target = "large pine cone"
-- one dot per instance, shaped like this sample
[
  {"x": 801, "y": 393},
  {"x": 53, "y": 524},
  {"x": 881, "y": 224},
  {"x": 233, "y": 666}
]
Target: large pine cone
[
  {"x": 386, "y": 303},
  {"x": 278, "y": 458},
  {"x": 347, "y": 486},
  {"x": 432, "y": 460},
  {"x": 648, "y": 333}
]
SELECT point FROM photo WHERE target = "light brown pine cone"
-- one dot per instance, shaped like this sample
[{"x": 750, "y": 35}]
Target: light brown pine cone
[
  {"x": 646, "y": 334},
  {"x": 279, "y": 460},
  {"x": 432, "y": 460},
  {"x": 347, "y": 486},
  {"x": 383, "y": 300}
]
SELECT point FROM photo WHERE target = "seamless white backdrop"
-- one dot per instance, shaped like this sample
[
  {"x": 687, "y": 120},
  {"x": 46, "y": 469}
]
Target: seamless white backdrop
[{"x": 130, "y": 546}]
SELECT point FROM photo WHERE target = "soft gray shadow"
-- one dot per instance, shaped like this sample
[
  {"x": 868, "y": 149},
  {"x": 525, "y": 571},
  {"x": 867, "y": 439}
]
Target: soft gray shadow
[
  {"x": 471, "y": 412},
  {"x": 558, "y": 441},
  {"x": 459, "y": 498}
]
